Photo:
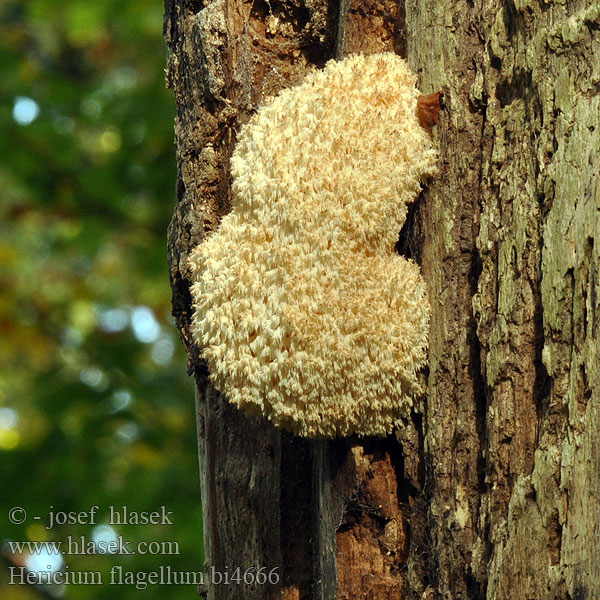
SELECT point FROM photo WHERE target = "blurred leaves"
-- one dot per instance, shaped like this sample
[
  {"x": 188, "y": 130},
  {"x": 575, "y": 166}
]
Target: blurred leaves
[{"x": 97, "y": 406}]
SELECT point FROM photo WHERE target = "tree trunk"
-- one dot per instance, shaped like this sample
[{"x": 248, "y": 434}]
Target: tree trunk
[{"x": 493, "y": 490}]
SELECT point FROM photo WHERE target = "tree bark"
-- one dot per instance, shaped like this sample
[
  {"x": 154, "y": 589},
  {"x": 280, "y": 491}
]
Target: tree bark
[{"x": 493, "y": 489}]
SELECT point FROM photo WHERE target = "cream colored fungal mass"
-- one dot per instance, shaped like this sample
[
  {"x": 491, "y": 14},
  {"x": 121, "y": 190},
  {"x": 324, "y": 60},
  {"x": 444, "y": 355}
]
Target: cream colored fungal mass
[{"x": 303, "y": 311}]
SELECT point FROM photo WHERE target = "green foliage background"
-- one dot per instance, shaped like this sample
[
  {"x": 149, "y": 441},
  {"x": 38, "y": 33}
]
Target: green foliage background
[{"x": 95, "y": 405}]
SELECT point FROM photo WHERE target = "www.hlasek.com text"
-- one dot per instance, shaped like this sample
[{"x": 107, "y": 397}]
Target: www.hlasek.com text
[{"x": 82, "y": 545}]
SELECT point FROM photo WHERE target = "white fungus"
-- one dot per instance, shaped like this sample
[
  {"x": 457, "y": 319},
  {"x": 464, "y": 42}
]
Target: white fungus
[{"x": 303, "y": 311}]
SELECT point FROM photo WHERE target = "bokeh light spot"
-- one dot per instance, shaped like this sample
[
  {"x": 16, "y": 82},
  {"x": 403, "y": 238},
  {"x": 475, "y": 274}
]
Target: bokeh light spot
[
  {"x": 9, "y": 439},
  {"x": 145, "y": 326},
  {"x": 25, "y": 110},
  {"x": 44, "y": 562},
  {"x": 8, "y": 418},
  {"x": 37, "y": 533},
  {"x": 128, "y": 432},
  {"x": 112, "y": 320},
  {"x": 105, "y": 538},
  {"x": 94, "y": 377},
  {"x": 110, "y": 140},
  {"x": 121, "y": 399},
  {"x": 162, "y": 351}
]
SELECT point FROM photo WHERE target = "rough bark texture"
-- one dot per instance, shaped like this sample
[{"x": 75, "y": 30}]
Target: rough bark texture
[{"x": 494, "y": 489}]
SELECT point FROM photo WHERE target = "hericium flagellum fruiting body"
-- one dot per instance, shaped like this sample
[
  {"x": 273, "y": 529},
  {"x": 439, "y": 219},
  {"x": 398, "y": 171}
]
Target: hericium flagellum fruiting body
[{"x": 303, "y": 311}]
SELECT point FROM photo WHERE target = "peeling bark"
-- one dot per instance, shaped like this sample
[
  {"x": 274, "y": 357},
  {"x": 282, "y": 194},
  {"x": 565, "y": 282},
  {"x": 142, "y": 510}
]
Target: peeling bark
[{"x": 493, "y": 489}]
